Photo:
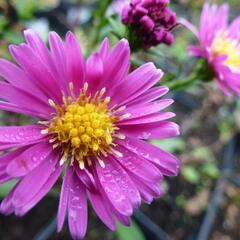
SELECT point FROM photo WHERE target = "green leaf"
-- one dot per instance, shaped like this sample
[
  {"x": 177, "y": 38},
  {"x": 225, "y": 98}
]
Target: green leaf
[
  {"x": 6, "y": 187},
  {"x": 117, "y": 27},
  {"x": 129, "y": 233},
  {"x": 181, "y": 201},
  {"x": 190, "y": 174},
  {"x": 3, "y": 23},
  {"x": 13, "y": 37},
  {"x": 26, "y": 8},
  {"x": 203, "y": 153},
  {"x": 171, "y": 144},
  {"x": 210, "y": 169}
]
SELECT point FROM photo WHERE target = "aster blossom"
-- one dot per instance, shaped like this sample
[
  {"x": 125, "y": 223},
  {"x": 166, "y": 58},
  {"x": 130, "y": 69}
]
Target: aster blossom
[
  {"x": 219, "y": 44},
  {"x": 94, "y": 118},
  {"x": 152, "y": 21}
]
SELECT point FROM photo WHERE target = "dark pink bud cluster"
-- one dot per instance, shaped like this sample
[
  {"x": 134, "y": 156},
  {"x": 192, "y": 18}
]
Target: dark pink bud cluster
[{"x": 151, "y": 19}]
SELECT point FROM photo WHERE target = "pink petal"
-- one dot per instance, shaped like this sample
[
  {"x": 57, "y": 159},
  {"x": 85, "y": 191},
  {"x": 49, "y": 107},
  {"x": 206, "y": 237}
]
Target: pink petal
[
  {"x": 23, "y": 99},
  {"x": 42, "y": 192},
  {"x": 125, "y": 220},
  {"x": 223, "y": 16},
  {"x": 204, "y": 24},
  {"x": 197, "y": 51},
  {"x": 116, "y": 65},
  {"x": 112, "y": 189},
  {"x": 154, "y": 130},
  {"x": 75, "y": 62},
  {"x": 4, "y": 177},
  {"x": 136, "y": 83},
  {"x": 149, "y": 96},
  {"x": 148, "y": 84},
  {"x": 86, "y": 177},
  {"x": 6, "y": 206},
  {"x": 213, "y": 19},
  {"x": 147, "y": 190},
  {"x": 39, "y": 47},
  {"x": 94, "y": 71},
  {"x": 124, "y": 182},
  {"x": 64, "y": 196},
  {"x": 104, "y": 49},
  {"x": 189, "y": 25},
  {"x": 223, "y": 87},
  {"x": 77, "y": 209},
  {"x": 5, "y": 159},
  {"x": 7, "y": 146},
  {"x": 32, "y": 183},
  {"x": 151, "y": 118},
  {"x": 138, "y": 166},
  {"x": 54, "y": 61},
  {"x": 20, "y": 134},
  {"x": 58, "y": 54},
  {"x": 29, "y": 159},
  {"x": 18, "y": 78},
  {"x": 166, "y": 162},
  {"x": 139, "y": 111},
  {"x": 37, "y": 70},
  {"x": 234, "y": 29},
  {"x": 101, "y": 209},
  {"x": 19, "y": 109}
]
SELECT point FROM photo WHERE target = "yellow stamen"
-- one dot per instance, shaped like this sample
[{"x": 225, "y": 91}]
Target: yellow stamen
[
  {"x": 117, "y": 153},
  {"x": 225, "y": 45},
  {"x": 120, "y": 109},
  {"x": 101, "y": 162},
  {"x": 120, "y": 136}
]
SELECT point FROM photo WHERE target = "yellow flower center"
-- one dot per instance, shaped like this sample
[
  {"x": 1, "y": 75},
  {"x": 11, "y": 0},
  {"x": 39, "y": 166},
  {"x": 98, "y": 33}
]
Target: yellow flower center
[
  {"x": 84, "y": 127},
  {"x": 223, "y": 44}
]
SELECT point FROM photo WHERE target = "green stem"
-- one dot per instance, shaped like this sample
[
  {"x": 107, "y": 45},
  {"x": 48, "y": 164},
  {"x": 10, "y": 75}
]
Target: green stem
[
  {"x": 182, "y": 83},
  {"x": 202, "y": 72},
  {"x": 99, "y": 20}
]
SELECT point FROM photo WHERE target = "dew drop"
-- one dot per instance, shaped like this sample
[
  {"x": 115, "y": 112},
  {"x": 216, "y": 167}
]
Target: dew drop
[{"x": 34, "y": 159}]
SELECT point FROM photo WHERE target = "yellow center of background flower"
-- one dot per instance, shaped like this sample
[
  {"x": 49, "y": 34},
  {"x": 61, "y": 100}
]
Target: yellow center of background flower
[
  {"x": 230, "y": 47},
  {"x": 84, "y": 127}
]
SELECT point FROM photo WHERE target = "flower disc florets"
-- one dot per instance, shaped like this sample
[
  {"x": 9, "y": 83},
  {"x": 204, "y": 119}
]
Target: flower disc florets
[
  {"x": 83, "y": 126},
  {"x": 230, "y": 47}
]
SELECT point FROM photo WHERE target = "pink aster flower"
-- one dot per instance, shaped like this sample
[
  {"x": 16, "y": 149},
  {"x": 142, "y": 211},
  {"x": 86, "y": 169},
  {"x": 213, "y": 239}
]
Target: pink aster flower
[
  {"x": 220, "y": 45},
  {"x": 94, "y": 120}
]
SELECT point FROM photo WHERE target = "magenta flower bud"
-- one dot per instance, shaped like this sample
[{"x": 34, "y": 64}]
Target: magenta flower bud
[
  {"x": 135, "y": 2},
  {"x": 152, "y": 3},
  {"x": 147, "y": 23},
  {"x": 169, "y": 17},
  {"x": 150, "y": 20},
  {"x": 168, "y": 39},
  {"x": 139, "y": 11},
  {"x": 159, "y": 34},
  {"x": 147, "y": 3},
  {"x": 125, "y": 14}
]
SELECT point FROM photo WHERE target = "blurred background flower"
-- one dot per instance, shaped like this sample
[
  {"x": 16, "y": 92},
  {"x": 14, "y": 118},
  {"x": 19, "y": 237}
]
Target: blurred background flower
[{"x": 219, "y": 43}]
